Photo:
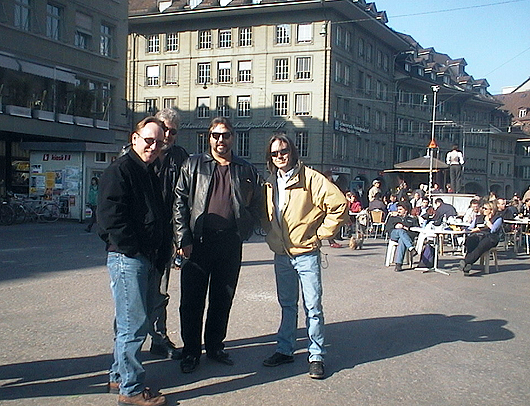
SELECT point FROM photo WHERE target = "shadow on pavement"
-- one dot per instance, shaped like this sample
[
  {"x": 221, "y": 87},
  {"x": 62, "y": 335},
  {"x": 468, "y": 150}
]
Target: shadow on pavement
[{"x": 350, "y": 343}]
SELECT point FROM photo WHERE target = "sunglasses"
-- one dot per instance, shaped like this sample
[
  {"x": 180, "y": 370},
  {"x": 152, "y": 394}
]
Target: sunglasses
[
  {"x": 150, "y": 141},
  {"x": 225, "y": 135},
  {"x": 485, "y": 208},
  {"x": 172, "y": 131},
  {"x": 283, "y": 151}
]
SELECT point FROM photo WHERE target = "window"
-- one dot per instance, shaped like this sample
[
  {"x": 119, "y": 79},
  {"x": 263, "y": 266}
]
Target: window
[
  {"x": 522, "y": 112},
  {"x": 22, "y": 14},
  {"x": 347, "y": 79},
  {"x": 338, "y": 35},
  {"x": 105, "y": 40},
  {"x": 245, "y": 36},
  {"x": 203, "y": 107},
  {"x": 283, "y": 34},
  {"x": 280, "y": 105},
  {"x": 53, "y": 22},
  {"x": 204, "y": 73},
  {"x": 305, "y": 33},
  {"x": 153, "y": 44},
  {"x": 152, "y": 75},
  {"x": 172, "y": 42},
  {"x": 172, "y": 74},
  {"x": 368, "y": 84},
  {"x": 361, "y": 47},
  {"x": 151, "y": 106},
  {"x": 205, "y": 39},
  {"x": 339, "y": 146},
  {"x": 302, "y": 143},
  {"x": 243, "y": 106},
  {"x": 223, "y": 109},
  {"x": 302, "y": 104},
  {"x": 83, "y": 31},
  {"x": 244, "y": 71},
  {"x": 225, "y": 38},
  {"x": 369, "y": 52},
  {"x": 339, "y": 72},
  {"x": 223, "y": 73},
  {"x": 347, "y": 41},
  {"x": 170, "y": 102},
  {"x": 100, "y": 157},
  {"x": 281, "y": 69},
  {"x": 303, "y": 67},
  {"x": 202, "y": 142},
  {"x": 243, "y": 143}
]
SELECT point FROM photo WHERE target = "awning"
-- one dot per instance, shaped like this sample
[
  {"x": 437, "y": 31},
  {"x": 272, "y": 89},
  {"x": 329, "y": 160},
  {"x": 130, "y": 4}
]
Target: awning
[{"x": 419, "y": 165}]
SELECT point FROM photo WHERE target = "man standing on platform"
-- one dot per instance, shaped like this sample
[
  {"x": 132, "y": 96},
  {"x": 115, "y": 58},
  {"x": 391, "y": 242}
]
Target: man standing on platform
[{"x": 455, "y": 160}]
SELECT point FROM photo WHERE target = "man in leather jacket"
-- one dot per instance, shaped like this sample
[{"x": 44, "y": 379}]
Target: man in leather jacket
[
  {"x": 167, "y": 168},
  {"x": 218, "y": 202}
]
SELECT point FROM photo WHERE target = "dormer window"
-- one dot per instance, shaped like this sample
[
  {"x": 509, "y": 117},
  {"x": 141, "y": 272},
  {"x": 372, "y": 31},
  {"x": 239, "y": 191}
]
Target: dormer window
[
  {"x": 407, "y": 67},
  {"x": 420, "y": 71},
  {"x": 523, "y": 111}
]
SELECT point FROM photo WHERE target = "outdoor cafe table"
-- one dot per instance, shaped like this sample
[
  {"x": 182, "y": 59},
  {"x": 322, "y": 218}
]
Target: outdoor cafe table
[{"x": 435, "y": 234}]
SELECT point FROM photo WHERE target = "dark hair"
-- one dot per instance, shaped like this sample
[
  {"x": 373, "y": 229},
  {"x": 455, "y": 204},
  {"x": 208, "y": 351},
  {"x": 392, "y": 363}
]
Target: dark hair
[
  {"x": 293, "y": 152},
  {"x": 439, "y": 200},
  {"x": 405, "y": 205},
  {"x": 221, "y": 120},
  {"x": 96, "y": 179}
]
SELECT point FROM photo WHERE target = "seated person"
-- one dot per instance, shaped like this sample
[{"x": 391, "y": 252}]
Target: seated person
[
  {"x": 472, "y": 211},
  {"x": 484, "y": 233},
  {"x": 425, "y": 211},
  {"x": 392, "y": 204},
  {"x": 398, "y": 227},
  {"x": 377, "y": 204},
  {"x": 442, "y": 210},
  {"x": 354, "y": 206},
  {"x": 526, "y": 208}
]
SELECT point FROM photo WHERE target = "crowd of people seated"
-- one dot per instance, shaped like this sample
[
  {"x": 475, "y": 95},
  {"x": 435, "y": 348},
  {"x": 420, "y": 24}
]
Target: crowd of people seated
[{"x": 403, "y": 209}]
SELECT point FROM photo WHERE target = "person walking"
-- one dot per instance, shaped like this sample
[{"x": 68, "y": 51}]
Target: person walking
[
  {"x": 132, "y": 222},
  {"x": 167, "y": 168},
  {"x": 92, "y": 202},
  {"x": 302, "y": 209},
  {"x": 218, "y": 204}
]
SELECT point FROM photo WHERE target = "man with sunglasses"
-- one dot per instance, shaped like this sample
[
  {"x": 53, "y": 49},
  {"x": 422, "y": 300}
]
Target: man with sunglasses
[
  {"x": 217, "y": 206},
  {"x": 302, "y": 208},
  {"x": 167, "y": 167},
  {"x": 133, "y": 222}
]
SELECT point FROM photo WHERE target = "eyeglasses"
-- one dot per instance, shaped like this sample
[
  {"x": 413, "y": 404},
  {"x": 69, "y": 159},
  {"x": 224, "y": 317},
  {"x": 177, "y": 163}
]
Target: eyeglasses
[
  {"x": 485, "y": 208},
  {"x": 172, "y": 131},
  {"x": 225, "y": 135},
  {"x": 150, "y": 141},
  {"x": 283, "y": 151}
]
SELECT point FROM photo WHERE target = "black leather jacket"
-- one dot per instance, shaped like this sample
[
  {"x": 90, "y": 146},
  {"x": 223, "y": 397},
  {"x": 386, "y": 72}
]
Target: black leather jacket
[
  {"x": 132, "y": 217},
  {"x": 191, "y": 197}
]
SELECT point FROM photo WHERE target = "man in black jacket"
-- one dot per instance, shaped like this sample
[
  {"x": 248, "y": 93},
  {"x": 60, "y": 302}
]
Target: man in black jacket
[
  {"x": 217, "y": 205},
  {"x": 442, "y": 210},
  {"x": 133, "y": 222},
  {"x": 167, "y": 167},
  {"x": 399, "y": 229}
]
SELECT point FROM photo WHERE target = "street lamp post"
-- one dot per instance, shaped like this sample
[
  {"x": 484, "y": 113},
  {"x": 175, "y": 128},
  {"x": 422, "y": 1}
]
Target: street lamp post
[{"x": 432, "y": 144}]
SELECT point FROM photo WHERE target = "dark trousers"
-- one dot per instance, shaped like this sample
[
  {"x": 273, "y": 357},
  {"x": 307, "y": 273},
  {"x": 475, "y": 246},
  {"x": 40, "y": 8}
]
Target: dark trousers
[
  {"x": 455, "y": 174},
  {"x": 157, "y": 301},
  {"x": 477, "y": 244},
  {"x": 214, "y": 265}
]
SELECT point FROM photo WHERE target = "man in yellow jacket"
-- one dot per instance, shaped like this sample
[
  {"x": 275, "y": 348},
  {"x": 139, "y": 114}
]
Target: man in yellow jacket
[{"x": 303, "y": 208}]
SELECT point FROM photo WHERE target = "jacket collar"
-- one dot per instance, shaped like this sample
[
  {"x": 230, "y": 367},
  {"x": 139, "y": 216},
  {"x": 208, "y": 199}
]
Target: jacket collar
[
  {"x": 295, "y": 177},
  {"x": 207, "y": 156},
  {"x": 136, "y": 159}
]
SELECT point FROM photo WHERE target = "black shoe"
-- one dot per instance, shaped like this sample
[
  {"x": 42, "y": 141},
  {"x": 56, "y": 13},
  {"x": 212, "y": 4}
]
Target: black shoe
[
  {"x": 221, "y": 356},
  {"x": 465, "y": 268},
  {"x": 278, "y": 359},
  {"x": 189, "y": 364},
  {"x": 166, "y": 349},
  {"x": 398, "y": 268},
  {"x": 316, "y": 369}
]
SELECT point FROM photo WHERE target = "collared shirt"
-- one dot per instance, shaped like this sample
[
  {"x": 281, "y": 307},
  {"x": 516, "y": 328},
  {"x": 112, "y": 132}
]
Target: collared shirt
[
  {"x": 281, "y": 182},
  {"x": 454, "y": 158}
]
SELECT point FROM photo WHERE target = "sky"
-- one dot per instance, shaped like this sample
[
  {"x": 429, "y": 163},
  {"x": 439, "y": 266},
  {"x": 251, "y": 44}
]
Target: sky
[{"x": 493, "y": 36}]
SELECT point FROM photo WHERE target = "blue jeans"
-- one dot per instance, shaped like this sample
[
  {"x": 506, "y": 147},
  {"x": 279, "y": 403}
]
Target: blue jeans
[
  {"x": 404, "y": 243},
  {"x": 128, "y": 282},
  {"x": 289, "y": 271}
]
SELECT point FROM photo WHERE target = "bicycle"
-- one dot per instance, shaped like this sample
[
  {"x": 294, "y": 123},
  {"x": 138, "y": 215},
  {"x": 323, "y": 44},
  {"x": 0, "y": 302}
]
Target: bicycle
[
  {"x": 7, "y": 215},
  {"x": 17, "y": 204},
  {"x": 41, "y": 210}
]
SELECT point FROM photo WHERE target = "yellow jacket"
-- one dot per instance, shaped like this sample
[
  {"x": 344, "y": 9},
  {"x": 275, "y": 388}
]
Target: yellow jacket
[{"x": 314, "y": 210}]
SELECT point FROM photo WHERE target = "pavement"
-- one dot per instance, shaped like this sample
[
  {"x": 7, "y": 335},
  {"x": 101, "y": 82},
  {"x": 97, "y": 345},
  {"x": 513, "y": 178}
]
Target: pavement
[{"x": 407, "y": 338}]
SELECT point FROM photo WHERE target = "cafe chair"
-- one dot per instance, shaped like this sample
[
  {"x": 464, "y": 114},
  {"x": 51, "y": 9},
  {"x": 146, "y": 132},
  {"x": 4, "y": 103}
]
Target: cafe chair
[
  {"x": 391, "y": 253},
  {"x": 377, "y": 222},
  {"x": 485, "y": 259}
]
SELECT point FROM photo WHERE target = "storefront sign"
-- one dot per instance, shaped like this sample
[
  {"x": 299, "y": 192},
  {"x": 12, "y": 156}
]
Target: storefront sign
[
  {"x": 56, "y": 157},
  {"x": 349, "y": 128}
]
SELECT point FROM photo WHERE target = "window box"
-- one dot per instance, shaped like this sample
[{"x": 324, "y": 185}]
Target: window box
[
  {"x": 18, "y": 111},
  {"x": 84, "y": 121},
  {"x": 65, "y": 118},
  {"x": 44, "y": 115},
  {"x": 103, "y": 124}
]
